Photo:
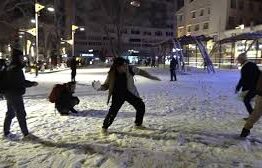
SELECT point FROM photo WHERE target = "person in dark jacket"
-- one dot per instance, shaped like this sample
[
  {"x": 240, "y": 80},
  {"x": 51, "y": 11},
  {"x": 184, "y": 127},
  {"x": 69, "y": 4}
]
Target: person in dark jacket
[
  {"x": 66, "y": 101},
  {"x": 120, "y": 83},
  {"x": 73, "y": 66},
  {"x": 3, "y": 66},
  {"x": 257, "y": 112},
  {"x": 14, "y": 91},
  {"x": 173, "y": 64},
  {"x": 249, "y": 76}
]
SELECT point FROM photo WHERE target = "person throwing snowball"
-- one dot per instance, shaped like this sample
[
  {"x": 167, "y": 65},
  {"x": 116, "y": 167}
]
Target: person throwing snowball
[{"x": 120, "y": 83}]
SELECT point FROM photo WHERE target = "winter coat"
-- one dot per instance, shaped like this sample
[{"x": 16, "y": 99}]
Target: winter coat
[
  {"x": 65, "y": 98},
  {"x": 73, "y": 64},
  {"x": 15, "y": 80},
  {"x": 110, "y": 80},
  {"x": 259, "y": 85},
  {"x": 173, "y": 64},
  {"x": 249, "y": 76}
]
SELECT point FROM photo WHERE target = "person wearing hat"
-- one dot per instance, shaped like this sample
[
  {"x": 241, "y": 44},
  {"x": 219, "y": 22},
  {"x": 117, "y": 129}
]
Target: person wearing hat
[{"x": 120, "y": 83}]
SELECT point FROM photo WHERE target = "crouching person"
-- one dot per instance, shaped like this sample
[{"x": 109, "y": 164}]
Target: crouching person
[
  {"x": 257, "y": 112},
  {"x": 120, "y": 84},
  {"x": 62, "y": 96}
]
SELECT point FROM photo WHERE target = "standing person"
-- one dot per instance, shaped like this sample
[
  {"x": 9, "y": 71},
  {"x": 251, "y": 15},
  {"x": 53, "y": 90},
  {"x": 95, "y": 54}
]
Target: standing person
[
  {"x": 14, "y": 91},
  {"x": 73, "y": 66},
  {"x": 257, "y": 113},
  {"x": 2, "y": 76},
  {"x": 120, "y": 84},
  {"x": 173, "y": 64},
  {"x": 249, "y": 76}
]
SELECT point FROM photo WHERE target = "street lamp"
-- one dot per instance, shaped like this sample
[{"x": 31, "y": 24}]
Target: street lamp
[
  {"x": 82, "y": 29},
  {"x": 51, "y": 9},
  {"x": 38, "y": 8},
  {"x": 74, "y": 28},
  {"x": 135, "y": 3},
  {"x": 33, "y": 21}
]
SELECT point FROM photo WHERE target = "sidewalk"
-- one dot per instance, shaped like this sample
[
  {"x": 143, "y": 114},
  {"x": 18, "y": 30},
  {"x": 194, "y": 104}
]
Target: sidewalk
[{"x": 49, "y": 71}]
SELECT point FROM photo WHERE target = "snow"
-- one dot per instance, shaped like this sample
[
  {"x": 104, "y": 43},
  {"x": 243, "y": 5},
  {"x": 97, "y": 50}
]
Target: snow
[{"x": 194, "y": 122}]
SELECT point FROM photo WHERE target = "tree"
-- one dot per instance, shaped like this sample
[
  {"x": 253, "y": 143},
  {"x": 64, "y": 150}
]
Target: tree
[
  {"x": 12, "y": 16},
  {"x": 109, "y": 17}
]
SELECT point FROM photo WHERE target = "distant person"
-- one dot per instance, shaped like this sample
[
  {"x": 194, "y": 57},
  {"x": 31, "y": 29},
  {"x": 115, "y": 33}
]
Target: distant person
[
  {"x": 173, "y": 65},
  {"x": 62, "y": 96},
  {"x": 249, "y": 76},
  {"x": 3, "y": 67},
  {"x": 257, "y": 112},
  {"x": 73, "y": 66},
  {"x": 120, "y": 83},
  {"x": 153, "y": 62},
  {"x": 13, "y": 92}
]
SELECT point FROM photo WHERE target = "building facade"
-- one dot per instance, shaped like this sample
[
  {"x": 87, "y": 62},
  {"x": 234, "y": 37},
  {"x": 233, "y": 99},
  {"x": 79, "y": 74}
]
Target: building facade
[
  {"x": 211, "y": 17},
  {"x": 219, "y": 19},
  {"x": 139, "y": 37}
]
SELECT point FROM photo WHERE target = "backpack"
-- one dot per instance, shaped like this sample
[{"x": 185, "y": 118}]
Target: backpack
[{"x": 55, "y": 93}]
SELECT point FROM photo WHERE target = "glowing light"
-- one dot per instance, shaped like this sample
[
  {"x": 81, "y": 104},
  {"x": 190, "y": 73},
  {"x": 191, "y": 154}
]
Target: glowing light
[
  {"x": 51, "y": 9},
  {"x": 135, "y": 3}
]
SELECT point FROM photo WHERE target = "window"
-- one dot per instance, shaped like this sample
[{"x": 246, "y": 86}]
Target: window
[
  {"x": 189, "y": 28},
  {"x": 180, "y": 18},
  {"x": 209, "y": 11},
  {"x": 202, "y": 12},
  {"x": 135, "y": 31},
  {"x": 196, "y": 27},
  {"x": 169, "y": 33},
  {"x": 147, "y": 33},
  {"x": 206, "y": 26},
  {"x": 158, "y": 33},
  {"x": 233, "y": 4},
  {"x": 135, "y": 40},
  {"x": 193, "y": 14}
]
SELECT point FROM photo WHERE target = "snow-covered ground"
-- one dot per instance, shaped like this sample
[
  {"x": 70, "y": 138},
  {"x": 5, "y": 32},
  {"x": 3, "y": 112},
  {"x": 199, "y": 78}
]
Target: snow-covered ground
[{"x": 194, "y": 122}]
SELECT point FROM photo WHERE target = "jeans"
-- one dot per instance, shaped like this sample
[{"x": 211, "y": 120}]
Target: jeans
[
  {"x": 247, "y": 99},
  {"x": 256, "y": 114},
  {"x": 118, "y": 101},
  {"x": 173, "y": 74},
  {"x": 15, "y": 107}
]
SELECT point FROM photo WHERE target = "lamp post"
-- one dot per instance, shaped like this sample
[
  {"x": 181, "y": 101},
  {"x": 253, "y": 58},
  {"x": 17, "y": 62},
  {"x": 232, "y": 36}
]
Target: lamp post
[
  {"x": 74, "y": 28},
  {"x": 38, "y": 8}
]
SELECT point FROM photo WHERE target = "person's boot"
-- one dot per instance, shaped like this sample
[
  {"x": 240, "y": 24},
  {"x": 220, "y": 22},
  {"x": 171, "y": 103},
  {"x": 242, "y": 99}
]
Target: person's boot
[
  {"x": 245, "y": 132},
  {"x": 104, "y": 132}
]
